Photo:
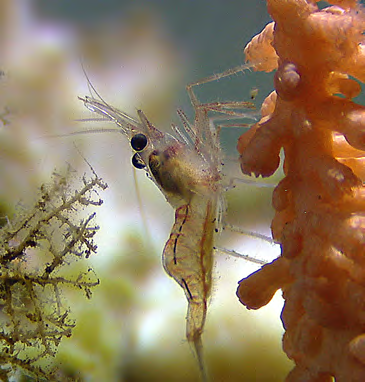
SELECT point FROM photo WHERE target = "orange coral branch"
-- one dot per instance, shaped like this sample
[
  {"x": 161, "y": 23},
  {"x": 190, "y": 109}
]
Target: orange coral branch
[{"x": 319, "y": 204}]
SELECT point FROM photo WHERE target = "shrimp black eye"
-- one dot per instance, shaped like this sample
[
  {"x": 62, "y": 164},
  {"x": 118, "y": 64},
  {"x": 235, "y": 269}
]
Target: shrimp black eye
[
  {"x": 137, "y": 161},
  {"x": 139, "y": 142}
]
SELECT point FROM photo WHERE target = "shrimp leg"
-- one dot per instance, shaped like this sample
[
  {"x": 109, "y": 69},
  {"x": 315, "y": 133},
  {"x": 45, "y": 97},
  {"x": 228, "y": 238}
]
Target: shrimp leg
[{"x": 215, "y": 77}]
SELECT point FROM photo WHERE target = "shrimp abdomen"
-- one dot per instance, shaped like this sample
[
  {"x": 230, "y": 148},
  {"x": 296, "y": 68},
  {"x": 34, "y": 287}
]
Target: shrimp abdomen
[{"x": 188, "y": 258}]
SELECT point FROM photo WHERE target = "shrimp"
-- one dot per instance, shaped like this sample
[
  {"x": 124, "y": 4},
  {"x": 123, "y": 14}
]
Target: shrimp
[{"x": 186, "y": 169}]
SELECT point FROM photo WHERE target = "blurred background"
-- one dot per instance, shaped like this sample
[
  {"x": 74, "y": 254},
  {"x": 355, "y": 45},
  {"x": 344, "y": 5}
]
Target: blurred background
[{"x": 137, "y": 54}]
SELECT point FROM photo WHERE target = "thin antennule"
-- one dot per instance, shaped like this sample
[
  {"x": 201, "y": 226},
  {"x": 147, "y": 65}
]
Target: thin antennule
[
  {"x": 92, "y": 120},
  {"x": 90, "y": 85},
  {"x": 123, "y": 120},
  {"x": 126, "y": 123},
  {"x": 88, "y": 131}
]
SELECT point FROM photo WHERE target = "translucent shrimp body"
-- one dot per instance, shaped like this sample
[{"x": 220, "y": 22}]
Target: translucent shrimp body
[{"x": 186, "y": 170}]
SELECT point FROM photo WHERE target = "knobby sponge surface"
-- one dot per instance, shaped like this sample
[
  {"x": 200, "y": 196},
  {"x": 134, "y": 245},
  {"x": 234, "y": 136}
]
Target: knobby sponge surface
[{"x": 318, "y": 56}]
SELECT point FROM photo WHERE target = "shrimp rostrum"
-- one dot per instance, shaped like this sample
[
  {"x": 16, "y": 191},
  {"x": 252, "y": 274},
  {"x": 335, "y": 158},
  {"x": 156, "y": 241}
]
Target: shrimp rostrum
[{"x": 186, "y": 169}]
